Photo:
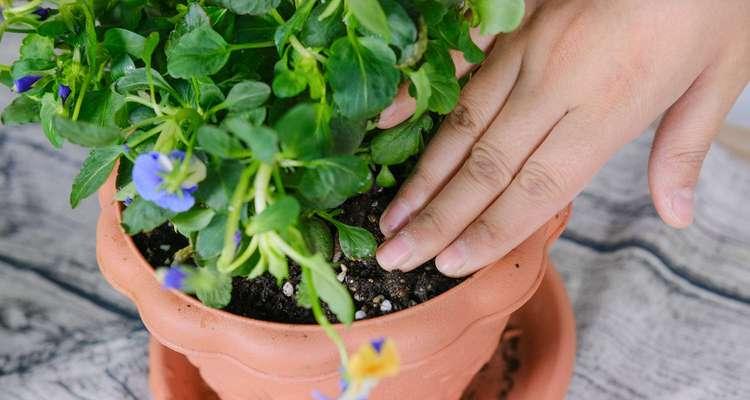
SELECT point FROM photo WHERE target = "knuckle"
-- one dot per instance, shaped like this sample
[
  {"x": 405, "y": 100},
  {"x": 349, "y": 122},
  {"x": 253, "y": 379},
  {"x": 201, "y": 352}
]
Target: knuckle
[
  {"x": 540, "y": 182},
  {"x": 486, "y": 233},
  {"x": 488, "y": 168},
  {"x": 431, "y": 220},
  {"x": 465, "y": 119}
]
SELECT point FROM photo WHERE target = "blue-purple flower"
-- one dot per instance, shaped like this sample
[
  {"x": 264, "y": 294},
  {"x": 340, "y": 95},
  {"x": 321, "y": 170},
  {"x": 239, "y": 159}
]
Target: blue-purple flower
[
  {"x": 172, "y": 278},
  {"x": 24, "y": 84},
  {"x": 42, "y": 12},
  {"x": 156, "y": 177},
  {"x": 63, "y": 91}
]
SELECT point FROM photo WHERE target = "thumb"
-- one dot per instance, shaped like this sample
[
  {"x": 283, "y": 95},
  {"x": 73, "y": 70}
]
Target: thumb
[{"x": 681, "y": 143}]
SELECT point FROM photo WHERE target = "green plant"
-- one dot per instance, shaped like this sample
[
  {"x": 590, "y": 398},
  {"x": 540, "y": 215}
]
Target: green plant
[{"x": 243, "y": 123}]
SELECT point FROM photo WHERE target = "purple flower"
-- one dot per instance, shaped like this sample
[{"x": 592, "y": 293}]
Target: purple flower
[
  {"x": 25, "y": 83},
  {"x": 42, "y": 12},
  {"x": 151, "y": 174},
  {"x": 63, "y": 92},
  {"x": 174, "y": 278},
  {"x": 237, "y": 238},
  {"x": 377, "y": 344},
  {"x": 128, "y": 201}
]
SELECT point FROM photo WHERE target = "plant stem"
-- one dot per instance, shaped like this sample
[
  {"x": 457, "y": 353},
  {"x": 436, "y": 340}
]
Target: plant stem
[
  {"x": 249, "y": 250},
  {"x": 79, "y": 100},
  {"x": 233, "y": 219},
  {"x": 317, "y": 310},
  {"x": 277, "y": 17},
  {"x": 262, "y": 179},
  {"x": 321, "y": 318},
  {"x": 252, "y": 45}
]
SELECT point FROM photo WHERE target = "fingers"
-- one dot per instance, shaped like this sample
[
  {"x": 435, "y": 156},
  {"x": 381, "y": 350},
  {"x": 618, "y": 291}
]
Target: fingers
[
  {"x": 490, "y": 167},
  {"x": 548, "y": 181},
  {"x": 480, "y": 102},
  {"x": 403, "y": 105},
  {"x": 681, "y": 143}
]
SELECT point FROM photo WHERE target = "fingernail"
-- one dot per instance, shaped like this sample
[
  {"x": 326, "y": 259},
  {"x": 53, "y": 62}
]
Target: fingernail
[
  {"x": 452, "y": 260},
  {"x": 394, "y": 218},
  {"x": 395, "y": 252},
  {"x": 682, "y": 205}
]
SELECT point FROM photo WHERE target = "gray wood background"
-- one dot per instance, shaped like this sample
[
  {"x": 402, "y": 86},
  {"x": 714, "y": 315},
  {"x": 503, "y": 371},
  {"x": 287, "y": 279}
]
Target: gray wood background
[{"x": 661, "y": 313}]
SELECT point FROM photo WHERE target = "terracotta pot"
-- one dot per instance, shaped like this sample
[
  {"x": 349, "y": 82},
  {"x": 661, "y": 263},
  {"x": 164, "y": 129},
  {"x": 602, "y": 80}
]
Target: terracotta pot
[{"x": 442, "y": 342}]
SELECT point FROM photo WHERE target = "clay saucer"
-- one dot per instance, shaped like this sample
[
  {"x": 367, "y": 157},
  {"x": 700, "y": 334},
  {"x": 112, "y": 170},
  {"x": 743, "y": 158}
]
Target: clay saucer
[{"x": 533, "y": 361}]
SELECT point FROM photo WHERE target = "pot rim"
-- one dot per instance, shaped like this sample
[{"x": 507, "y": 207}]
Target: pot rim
[{"x": 107, "y": 200}]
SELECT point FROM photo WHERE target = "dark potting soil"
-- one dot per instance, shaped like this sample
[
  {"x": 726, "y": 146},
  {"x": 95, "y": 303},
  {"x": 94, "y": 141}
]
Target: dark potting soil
[{"x": 375, "y": 291}]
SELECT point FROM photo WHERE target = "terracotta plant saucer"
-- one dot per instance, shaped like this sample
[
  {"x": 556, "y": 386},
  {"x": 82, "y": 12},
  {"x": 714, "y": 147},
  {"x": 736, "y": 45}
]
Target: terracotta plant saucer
[{"x": 534, "y": 360}]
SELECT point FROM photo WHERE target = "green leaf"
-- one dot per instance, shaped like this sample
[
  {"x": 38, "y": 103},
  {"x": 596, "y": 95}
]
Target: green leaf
[
  {"x": 143, "y": 216},
  {"x": 86, "y": 134},
  {"x": 496, "y": 16},
  {"x": 370, "y": 15},
  {"x": 218, "y": 142},
  {"x": 292, "y": 25},
  {"x": 444, "y": 92},
  {"x": 385, "y": 177},
  {"x": 318, "y": 237},
  {"x": 121, "y": 66},
  {"x": 193, "y": 220},
  {"x": 211, "y": 238},
  {"x": 212, "y": 288},
  {"x": 95, "y": 170},
  {"x": 37, "y": 47},
  {"x": 286, "y": 82},
  {"x": 347, "y": 134},
  {"x": 421, "y": 83},
  {"x": 263, "y": 141},
  {"x": 363, "y": 76},
  {"x": 356, "y": 243},
  {"x": 330, "y": 181},
  {"x": 47, "y": 115},
  {"x": 331, "y": 290},
  {"x": 120, "y": 41},
  {"x": 247, "y": 95},
  {"x": 278, "y": 265},
  {"x": 441, "y": 72},
  {"x": 302, "y": 131},
  {"x": 30, "y": 66},
  {"x": 397, "y": 144},
  {"x": 101, "y": 107},
  {"x": 402, "y": 27},
  {"x": 454, "y": 30},
  {"x": 252, "y": 7},
  {"x": 22, "y": 110},
  {"x": 138, "y": 80},
  {"x": 320, "y": 33},
  {"x": 276, "y": 217},
  {"x": 201, "y": 52}
]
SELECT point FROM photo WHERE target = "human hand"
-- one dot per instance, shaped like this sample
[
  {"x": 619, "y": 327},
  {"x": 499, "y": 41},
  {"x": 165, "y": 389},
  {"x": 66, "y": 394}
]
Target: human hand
[{"x": 550, "y": 105}]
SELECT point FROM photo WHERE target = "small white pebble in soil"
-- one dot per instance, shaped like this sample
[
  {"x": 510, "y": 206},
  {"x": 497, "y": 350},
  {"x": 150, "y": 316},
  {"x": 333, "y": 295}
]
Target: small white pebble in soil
[
  {"x": 386, "y": 306},
  {"x": 360, "y": 314},
  {"x": 341, "y": 276},
  {"x": 165, "y": 247},
  {"x": 288, "y": 289},
  {"x": 357, "y": 296}
]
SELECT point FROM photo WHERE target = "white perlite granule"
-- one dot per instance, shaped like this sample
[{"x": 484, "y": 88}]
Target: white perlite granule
[{"x": 288, "y": 289}]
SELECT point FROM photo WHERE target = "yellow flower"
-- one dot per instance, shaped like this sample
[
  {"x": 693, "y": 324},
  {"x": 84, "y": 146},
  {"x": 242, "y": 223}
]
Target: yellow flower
[{"x": 376, "y": 360}]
